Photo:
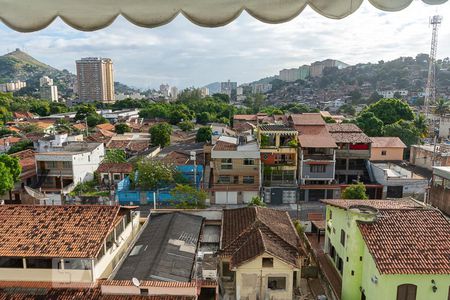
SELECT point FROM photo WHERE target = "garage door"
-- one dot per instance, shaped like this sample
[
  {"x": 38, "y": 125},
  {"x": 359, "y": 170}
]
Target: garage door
[
  {"x": 247, "y": 196},
  {"x": 226, "y": 197}
]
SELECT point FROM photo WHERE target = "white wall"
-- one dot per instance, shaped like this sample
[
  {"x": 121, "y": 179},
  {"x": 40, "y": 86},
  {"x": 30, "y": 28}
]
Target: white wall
[{"x": 85, "y": 164}]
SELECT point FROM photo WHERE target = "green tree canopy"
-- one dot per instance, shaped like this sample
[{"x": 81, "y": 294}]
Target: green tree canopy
[
  {"x": 442, "y": 107},
  {"x": 95, "y": 119},
  {"x": 6, "y": 179},
  {"x": 160, "y": 134},
  {"x": 390, "y": 111},
  {"x": 115, "y": 156},
  {"x": 404, "y": 130},
  {"x": 83, "y": 111},
  {"x": 256, "y": 201},
  {"x": 355, "y": 191},
  {"x": 186, "y": 125},
  {"x": 186, "y": 196},
  {"x": 20, "y": 146},
  {"x": 203, "y": 134},
  {"x": 12, "y": 163},
  {"x": 121, "y": 128},
  {"x": 370, "y": 124},
  {"x": 153, "y": 174}
]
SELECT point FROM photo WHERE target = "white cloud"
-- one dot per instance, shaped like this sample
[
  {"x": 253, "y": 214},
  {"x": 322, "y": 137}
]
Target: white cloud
[{"x": 184, "y": 54}]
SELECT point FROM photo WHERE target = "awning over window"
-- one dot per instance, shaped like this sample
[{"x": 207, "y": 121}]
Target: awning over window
[{"x": 88, "y": 15}]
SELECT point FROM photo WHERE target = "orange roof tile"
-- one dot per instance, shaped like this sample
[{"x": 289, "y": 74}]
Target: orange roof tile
[
  {"x": 106, "y": 126},
  {"x": 115, "y": 168},
  {"x": 387, "y": 142},
  {"x": 224, "y": 146},
  {"x": 409, "y": 241},
  {"x": 54, "y": 231},
  {"x": 378, "y": 204}
]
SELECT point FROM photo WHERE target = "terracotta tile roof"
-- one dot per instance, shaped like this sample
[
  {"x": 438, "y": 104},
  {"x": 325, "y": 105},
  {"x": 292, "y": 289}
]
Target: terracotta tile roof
[
  {"x": 348, "y": 133},
  {"x": 55, "y": 231},
  {"x": 105, "y": 126},
  {"x": 138, "y": 146},
  {"x": 241, "y": 127},
  {"x": 26, "y": 160},
  {"x": 98, "y": 137},
  {"x": 307, "y": 119},
  {"x": 10, "y": 140},
  {"x": 387, "y": 142},
  {"x": 346, "y": 127},
  {"x": 23, "y": 115},
  {"x": 224, "y": 146},
  {"x": 315, "y": 137},
  {"x": 409, "y": 242},
  {"x": 249, "y": 232},
  {"x": 150, "y": 283},
  {"x": 115, "y": 168},
  {"x": 378, "y": 204},
  {"x": 79, "y": 126},
  {"x": 245, "y": 117},
  {"x": 118, "y": 144}
]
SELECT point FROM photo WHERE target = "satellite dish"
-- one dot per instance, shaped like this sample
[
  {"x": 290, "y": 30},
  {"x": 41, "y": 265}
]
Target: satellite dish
[{"x": 136, "y": 281}]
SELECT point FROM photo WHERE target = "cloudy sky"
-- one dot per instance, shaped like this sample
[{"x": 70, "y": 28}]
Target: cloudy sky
[{"x": 183, "y": 54}]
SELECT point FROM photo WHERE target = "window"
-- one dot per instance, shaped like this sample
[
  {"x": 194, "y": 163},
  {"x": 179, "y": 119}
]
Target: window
[
  {"x": 249, "y": 179},
  {"x": 276, "y": 283},
  {"x": 383, "y": 152},
  {"x": 438, "y": 181},
  {"x": 406, "y": 292},
  {"x": 224, "y": 179},
  {"x": 235, "y": 179},
  {"x": 105, "y": 176},
  {"x": 249, "y": 161},
  {"x": 67, "y": 165},
  {"x": 343, "y": 237},
  {"x": 267, "y": 262},
  {"x": 116, "y": 176},
  {"x": 144, "y": 292},
  {"x": 10, "y": 262},
  {"x": 331, "y": 214},
  {"x": 51, "y": 164},
  {"x": 317, "y": 168},
  {"x": 37, "y": 263},
  {"x": 226, "y": 164},
  {"x": 340, "y": 264}
]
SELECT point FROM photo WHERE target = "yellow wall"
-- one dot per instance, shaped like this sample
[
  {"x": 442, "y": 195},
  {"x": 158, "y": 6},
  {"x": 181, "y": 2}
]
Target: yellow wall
[
  {"x": 249, "y": 284},
  {"x": 391, "y": 154}
]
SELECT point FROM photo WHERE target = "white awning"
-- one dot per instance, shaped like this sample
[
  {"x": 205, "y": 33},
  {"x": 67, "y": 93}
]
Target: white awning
[{"x": 88, "y": 15}]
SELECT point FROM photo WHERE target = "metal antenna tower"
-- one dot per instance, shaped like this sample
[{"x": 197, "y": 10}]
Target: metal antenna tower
[{"x": 430, "y": 91}]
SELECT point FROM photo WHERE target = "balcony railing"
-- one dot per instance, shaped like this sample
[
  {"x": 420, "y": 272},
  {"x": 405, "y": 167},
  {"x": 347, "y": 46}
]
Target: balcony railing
[
  {"x": 318, "y": 156},
  {"x": 55, "y": 172}
]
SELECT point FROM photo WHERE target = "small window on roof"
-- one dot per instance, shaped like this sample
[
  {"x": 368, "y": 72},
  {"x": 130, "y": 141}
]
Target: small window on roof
[
  {"x": 267, "y": 262},
  {"x": 384, "y": 152}
]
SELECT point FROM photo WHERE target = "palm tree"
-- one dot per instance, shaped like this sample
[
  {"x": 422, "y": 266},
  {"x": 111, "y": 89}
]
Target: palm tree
[
  {"x": 442, "y": 107},
  {"x": 420, "y": 122}
]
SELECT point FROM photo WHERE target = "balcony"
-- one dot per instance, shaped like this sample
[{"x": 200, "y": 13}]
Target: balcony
[
  {"x": 317, "y": 156},
  {"x": 55, "y": 172},
  {"x": 362, "y": 154}
]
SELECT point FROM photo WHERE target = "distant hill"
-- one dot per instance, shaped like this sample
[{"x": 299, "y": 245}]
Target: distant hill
[
  {"x": 18, "y": 65},
  {"x": 213, "y": 87}
]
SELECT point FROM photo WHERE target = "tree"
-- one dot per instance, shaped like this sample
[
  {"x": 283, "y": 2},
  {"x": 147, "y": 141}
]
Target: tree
[
  {"x": 63, "y": 126},
  {"x": 154, "y": 174},
  {"x": 95, "y": 119},
  {"x": 370, "y": 124},
  {"x": 347, "y": 109},
  {"x": 390, "y": 111},
  {"x": 121, "y": 128},
  {"x": 442, "y": 107},
  {"x": 328, "y": 119},
  {"x": 421, "y": 124},
  {"x": 160, "y": 134},
  {"x": 203, "y": 134},
  {"x": 5, "y": 115},
  {"x": 12, "y": 163},
  {"x": 186, "y": 125},
  {"x": 355, "y": 191},
  {"x": 6, "y": 179},
  {"x": 256, "y": 201},
  {"x": 203, "y": 118},
  {"x": 83, "y": 111},
  {"x": 115, "y": 156},
  {"x": 404, "y": 130},
  {"x": 374, "y": 97},
  {"x": 20, "y": 146},
  {"x": 186, "y": 196}
]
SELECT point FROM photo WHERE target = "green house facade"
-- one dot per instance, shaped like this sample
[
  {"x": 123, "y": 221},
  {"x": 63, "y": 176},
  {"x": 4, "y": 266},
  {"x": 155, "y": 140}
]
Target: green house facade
[{"x": 388, "y": 249}]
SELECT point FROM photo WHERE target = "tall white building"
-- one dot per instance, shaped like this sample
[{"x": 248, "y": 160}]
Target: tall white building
[
  {"x": 45, "y": 80},
  {"x": 204, "y": 91},
  {"x": 164, "y": 89},
  {"x": 173, "y": 92},
  {"x": 12, "y": 86}
]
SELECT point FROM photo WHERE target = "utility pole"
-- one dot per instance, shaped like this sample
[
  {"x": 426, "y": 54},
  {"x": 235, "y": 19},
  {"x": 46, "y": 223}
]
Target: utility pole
[{"x": 430, "y": 91}]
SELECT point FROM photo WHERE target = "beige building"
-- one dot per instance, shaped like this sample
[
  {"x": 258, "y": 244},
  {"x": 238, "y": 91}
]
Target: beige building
[
  {"x": 427, "y": 156},
  {"x": 387, "y": 149},
  {"x": 261, "y": 256},
  {"x": 95, "y": 79}
]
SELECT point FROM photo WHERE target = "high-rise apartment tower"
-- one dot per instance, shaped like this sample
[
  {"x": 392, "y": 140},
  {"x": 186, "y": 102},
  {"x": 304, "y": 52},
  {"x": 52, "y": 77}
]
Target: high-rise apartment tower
[{"x": 95, "y": 79}]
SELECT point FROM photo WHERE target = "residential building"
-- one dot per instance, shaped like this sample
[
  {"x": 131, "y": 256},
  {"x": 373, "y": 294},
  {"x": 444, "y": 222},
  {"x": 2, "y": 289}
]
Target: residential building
[
  {"x": 439, "y": 195},
  {"x": 49, "y": 92},
  {"x": 235, "y": 170},
  {"x": 318, "y": 66},
  {"x": 59, "y": 171},
  {"x": 261, "y": 88},
  {"x": 173, "y": 92},
  {"x": 427, "y": 156},
  {"x": 261, "y": 256},
  {"x": 444, "y": 126},
  {"x": 294, "y": 74},
  {"x": 63, "y": 244},
  {"x": 95, "y": 78},
  {"x": 352, "y": 153},
  {"x": 386, "y": 249},
  {"x": 278, "y": 147},
  {"x": 45, "y": 80},
  {"x": 111, "y": 174},
  {"x": 55, "y": 142},
  {"x": 391, "y": 93},
  {"x": 12, "y": 86},
  {"x": 387, "y": 149},
  {"x": 164, "y": 89},
  {"x": 316, "y": 158},
  {"x": 399, "y": 180},
  {"x": 228, "y": 87},
  {"x": 28, "y": 175},
  {"x": 204, "y": 91}
]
